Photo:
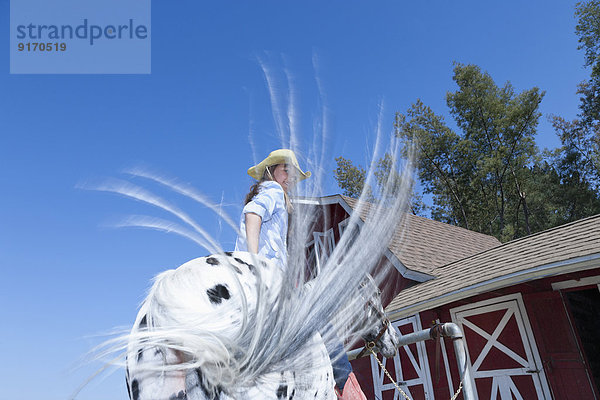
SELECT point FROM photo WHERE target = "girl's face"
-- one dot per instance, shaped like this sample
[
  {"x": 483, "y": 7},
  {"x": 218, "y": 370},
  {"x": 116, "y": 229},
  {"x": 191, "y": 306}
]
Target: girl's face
[{"x": 284, "y": 174}]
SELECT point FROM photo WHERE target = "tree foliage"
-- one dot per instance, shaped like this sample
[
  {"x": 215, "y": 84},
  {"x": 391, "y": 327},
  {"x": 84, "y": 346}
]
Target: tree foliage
[
  {"x": 350, "y": 178},
  {"x": 576, "y": 165},
  {"x": 588, "y": 31},
  {"x": 477, "y": 176},
  {"x": 487, "y": 174},
  {"x": 577, "y": 162},
  {"x": 580, "y": 138}
]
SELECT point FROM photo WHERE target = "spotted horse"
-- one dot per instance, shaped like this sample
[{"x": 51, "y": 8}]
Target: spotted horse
[{"x": 209, "y": 330}]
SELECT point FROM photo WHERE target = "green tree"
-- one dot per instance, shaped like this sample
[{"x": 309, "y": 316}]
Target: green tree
[
  {"x": 351, "y": 178},
  {"x": 577, "y": 162},
  {"x": 580, "y": 138},
  {"x": 576, "y": 166},
  {"x": 477, "y": 177},
  {"x": 588, "y": 31},
  {"x": 487, "y": 174},
  {"x": 580, "y": 152}
]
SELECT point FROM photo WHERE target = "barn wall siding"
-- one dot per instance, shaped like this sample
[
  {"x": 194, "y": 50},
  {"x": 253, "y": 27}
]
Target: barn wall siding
[
  {"x": 567, "y": 376},
  {"x": 555, "y": 338},
  {"x": 558, "y": 345}
]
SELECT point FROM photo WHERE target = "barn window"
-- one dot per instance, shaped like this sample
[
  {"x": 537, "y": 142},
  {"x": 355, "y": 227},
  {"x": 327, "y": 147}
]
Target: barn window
[
  {"x": 324, "y": 244},
  {"x": 320, "y": 248}
]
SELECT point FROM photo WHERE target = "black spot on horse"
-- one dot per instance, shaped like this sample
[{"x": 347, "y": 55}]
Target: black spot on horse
[
  {"x": 241, "y": 261},
  {"x": 251, "y": 267},
  {"x": 212, "y": 261},
  {"x": 228, "y": 253},
  {"x": 292, "y": 395},
  {"x": 218, "y": 293},
  {"x": 201, "y": 382},
  {"x": 135, "y": 390},
  {"x": 207, "y": 393},
  {"x": 236, "y": 269},
  {"x": 179, "y": 396},
  {"x": 143, "y": 323},
  {"x": 282, "y": 391}
]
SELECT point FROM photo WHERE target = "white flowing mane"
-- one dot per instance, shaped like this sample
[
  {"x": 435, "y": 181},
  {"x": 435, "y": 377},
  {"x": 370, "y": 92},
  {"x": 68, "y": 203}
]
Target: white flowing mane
[
  {"x": 273, "y": 336},
  {"x": 271, "y": 331}
]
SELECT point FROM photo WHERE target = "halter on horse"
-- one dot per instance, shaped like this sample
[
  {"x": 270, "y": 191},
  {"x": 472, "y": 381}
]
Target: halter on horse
[{"x": 205, "y": 332}]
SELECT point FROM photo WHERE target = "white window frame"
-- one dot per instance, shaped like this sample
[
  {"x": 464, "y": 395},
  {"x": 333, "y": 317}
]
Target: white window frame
[
  {"x": 590, "y": 280},
  {"x": 324, "y": 244},
  {"x": 343, "y": 225}
]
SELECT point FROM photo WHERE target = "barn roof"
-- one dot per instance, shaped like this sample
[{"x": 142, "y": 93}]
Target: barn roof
[
  {"x": 570, "y": 247},
  {"x": 424, "y": 245},
  {"x": 413, "y": 242}
]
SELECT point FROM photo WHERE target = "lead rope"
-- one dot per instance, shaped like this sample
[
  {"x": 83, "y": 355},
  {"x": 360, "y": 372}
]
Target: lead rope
[{"x": 370, "y": 347}]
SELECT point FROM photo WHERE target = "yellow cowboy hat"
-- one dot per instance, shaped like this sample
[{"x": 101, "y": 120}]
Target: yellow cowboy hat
[{"x": 281, "y": 156}]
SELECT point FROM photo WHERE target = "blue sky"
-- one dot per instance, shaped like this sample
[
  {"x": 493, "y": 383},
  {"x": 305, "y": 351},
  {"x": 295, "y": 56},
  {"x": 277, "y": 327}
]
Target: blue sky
[{"x": 66, "y": 276}]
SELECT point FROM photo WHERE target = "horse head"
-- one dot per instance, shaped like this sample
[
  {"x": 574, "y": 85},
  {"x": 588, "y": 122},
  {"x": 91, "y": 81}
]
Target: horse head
[{"x": 379, "y": 333}]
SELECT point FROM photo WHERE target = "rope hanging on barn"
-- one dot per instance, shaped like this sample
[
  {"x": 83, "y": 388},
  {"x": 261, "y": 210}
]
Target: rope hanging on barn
[
  {"x": 370, "y": 346},
  {"x": 396, "y": 384}
]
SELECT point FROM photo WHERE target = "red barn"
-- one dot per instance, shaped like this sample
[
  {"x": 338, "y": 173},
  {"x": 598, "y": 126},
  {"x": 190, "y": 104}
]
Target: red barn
[{"x": 529, "y": 308}]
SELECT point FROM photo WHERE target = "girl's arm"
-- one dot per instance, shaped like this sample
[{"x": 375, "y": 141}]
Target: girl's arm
[{"x": 253, "y": 223}]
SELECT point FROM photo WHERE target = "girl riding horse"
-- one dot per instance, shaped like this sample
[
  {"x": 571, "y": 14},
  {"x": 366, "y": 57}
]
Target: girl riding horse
[{"x": 264, "y": 231}]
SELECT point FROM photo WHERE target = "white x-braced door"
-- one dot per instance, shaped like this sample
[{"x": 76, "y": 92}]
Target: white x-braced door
[{"x": 501, "y": 351}]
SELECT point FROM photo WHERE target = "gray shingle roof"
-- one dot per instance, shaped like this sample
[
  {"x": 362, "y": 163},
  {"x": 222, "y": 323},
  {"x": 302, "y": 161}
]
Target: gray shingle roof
[
  {"x": 559, "y": 250},
  {"x": 423, "y": 245}
]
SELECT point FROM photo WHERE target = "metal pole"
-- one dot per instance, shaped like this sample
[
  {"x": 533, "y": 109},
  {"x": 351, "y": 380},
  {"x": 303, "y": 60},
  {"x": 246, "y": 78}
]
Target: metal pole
[
  {"x": 451, "y": 331},
  {"x": 405, "y": 340}
]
